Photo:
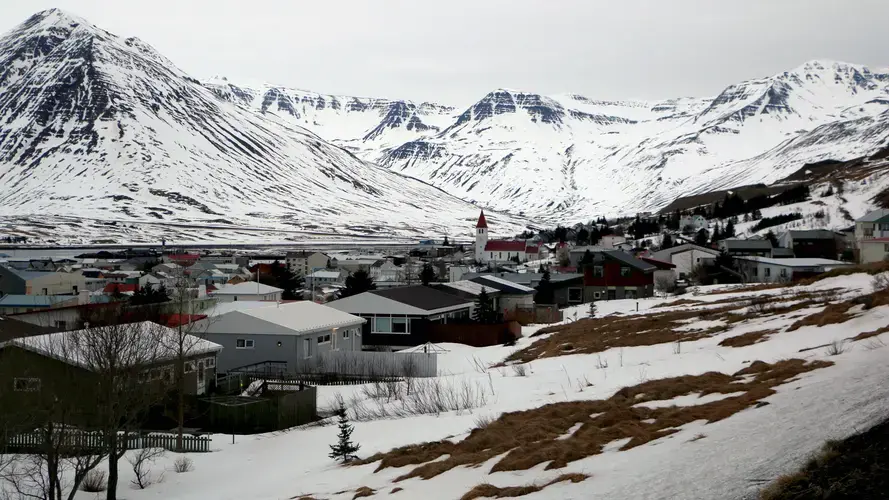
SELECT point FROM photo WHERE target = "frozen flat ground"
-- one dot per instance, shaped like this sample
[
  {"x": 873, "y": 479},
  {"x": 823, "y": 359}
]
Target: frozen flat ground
[{"x": 730, "y": 461}]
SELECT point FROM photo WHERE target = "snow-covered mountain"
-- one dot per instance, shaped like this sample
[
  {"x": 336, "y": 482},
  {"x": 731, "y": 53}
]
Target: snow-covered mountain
[
  {"x": 569, "y": 156},
  {"x": 95, "y": 127}
]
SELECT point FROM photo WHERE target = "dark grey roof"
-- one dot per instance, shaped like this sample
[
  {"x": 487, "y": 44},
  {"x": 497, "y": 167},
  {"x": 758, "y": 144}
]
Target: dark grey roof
[
  {"x": 629, "y": 260},
  {"x": 813, "y": 234},
  {"x": 421, "y": 297},
  {"x": 747, "y": 244},
  {"x": 875, "y": 216},
  {"x": 29, "y": 275},
  {"x": 782, "y": 252},
  {"x": 526, "y": 278},
  {"x": 503, "y": 285}
]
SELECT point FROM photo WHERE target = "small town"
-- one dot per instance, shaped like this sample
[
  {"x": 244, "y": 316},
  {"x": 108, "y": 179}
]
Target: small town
[{"x": 459, "y": 251}]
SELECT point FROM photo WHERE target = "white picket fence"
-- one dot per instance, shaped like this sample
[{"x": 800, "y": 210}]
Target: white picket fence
[
  {"x": 372, "y": 364},
  {"x": 86, "y": 440}
]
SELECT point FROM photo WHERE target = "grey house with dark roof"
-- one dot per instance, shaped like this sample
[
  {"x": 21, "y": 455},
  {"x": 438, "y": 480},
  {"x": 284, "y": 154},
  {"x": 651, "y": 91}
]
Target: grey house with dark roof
[
  {"x": 757, "y": 248},
  {"x": 399, "y": 317}
]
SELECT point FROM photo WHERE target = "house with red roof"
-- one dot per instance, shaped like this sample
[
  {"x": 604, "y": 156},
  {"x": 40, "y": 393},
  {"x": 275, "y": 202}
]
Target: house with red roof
[
  {"x": 112, "y": 288},
  {"x": 501, "y": 250}
]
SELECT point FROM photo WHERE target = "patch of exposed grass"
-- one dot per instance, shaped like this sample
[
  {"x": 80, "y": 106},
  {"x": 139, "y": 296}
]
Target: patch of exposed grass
[
  {"x": 396, "y": 490},
  {"x": 491, "y": 491},
  {"x": 363, "y": 491},
  {"x": 837, "y": 313},
  {"x": 529, "y": 438},
  {"x": 680, "y": 302},
  {"x": 748, "y": 338},
  {"x": 854, "y": 468},
  {"x": 867, "y": 335}
]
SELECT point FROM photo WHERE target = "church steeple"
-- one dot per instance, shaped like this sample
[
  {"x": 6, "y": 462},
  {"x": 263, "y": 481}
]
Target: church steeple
[
  {"x": 482, "y": 223},
  {"x": 481, "y": 238}
]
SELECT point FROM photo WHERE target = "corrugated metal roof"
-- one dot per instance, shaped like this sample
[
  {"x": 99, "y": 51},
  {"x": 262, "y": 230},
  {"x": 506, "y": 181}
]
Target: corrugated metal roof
[
  {"x": 747, "y": 244},
  {"x": 299, "y": 317},
  {"x": 881, "y": 215},
  {"x": 629, "y": 260},
  {"x": 471, "y": 287},
  {"x": 34, "y": 300},
  {"x": 796, "y": 262},
  {"x": 247, "y": 288},
  {"x": 507, "y": 286}
]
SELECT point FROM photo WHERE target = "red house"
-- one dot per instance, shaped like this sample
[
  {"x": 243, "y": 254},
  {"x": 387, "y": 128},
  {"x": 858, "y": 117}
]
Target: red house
[
  {"x": 615, "y": 274},
  {"x": 112, "y": 288}
]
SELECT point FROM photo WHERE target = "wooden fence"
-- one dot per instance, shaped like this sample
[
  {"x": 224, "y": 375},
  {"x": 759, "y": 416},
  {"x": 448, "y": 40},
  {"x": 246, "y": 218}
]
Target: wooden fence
[
  {"x": 371, "y": 364},
  {"x": 79, "y": 440},
  {"x": 473, "y": 334},
  {"x": 539, "y": 314}
]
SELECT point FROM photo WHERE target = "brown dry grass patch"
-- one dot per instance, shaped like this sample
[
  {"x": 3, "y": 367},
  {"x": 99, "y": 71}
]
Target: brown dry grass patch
[
  {"x": 837, "y": 313},
  {"x": 680, "y": 302},
  {"x": 363, "y": 491},
  {"x": 588, "y": 336},
  {"x": 748, "y": 338},
  {"x": 867, "y": 335},
  {"x": 396, "y": 490},
  {"x": 491, "y": 491},
  {"x": 529, "y": 438}
]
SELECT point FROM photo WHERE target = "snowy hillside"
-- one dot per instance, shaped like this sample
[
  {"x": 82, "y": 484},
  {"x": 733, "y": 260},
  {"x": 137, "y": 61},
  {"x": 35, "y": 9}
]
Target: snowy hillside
[
  {"x": 708, "y": 397},
  {"x": 570, "y": 156},
  {"x": 102, "y": 131}
]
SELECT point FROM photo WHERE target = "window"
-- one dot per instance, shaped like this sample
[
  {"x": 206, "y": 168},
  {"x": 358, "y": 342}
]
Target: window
[
  {"x": 575, "y": 295},
  {"x": 597, "y": 295},
  {"x": 307, "y": 344},
  {"x": 45, "y": 291},
  {"x": 30, "y": 384},
  {"x": 783, "y": 273},
  {"x": 382, "y": 324},
  {"x": 624, "y": 271},
  {"x": 754, "y": 271},
  {"x": 189, "y": 366},
  {"x": 884, "y": 227},
  {"x": 768, "y": 272},
  {"x": 210, "y": 362},
  {"x": 61, "y": 325},
  {"x": 75, "y": 289},
  {"x": 598, "y": 271},
  {"x": 244, "y": 344},
  {"x": 346, "y": 334},
  {"x": 324, "y": 339},
  {"x": 399, "y": 325},
  {"x": 886, "y": 247},
  {"x": 868, "y": 232},
  {"x": 236, "y": 298},
  {"x": 201, "y": 374}
]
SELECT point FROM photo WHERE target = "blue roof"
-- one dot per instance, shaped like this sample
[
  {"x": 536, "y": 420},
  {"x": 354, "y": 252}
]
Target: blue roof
[{"x": 33, "y": 300}]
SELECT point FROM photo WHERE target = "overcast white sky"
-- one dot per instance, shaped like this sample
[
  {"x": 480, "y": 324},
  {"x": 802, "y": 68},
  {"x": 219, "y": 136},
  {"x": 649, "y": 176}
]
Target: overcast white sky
[{"x": 456, "y": 51}]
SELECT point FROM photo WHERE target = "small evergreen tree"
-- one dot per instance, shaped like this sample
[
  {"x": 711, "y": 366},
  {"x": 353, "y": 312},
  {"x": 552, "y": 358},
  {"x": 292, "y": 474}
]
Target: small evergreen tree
[
  {"x": 586, "y": 260},
  {"x": 667, "y": 242},
  {"x": 729, "y": 230},
  {"x": 702, "y": 238},
  {"x": 446, "y": 242},
  {"x": 582, "y": 236},
  {"x": 427, "y": 274},
  {"x": 545, "y": 293},
  {"x": 345, "y": 449},
  {"x": 484, "y": 309},
  {"x": 772, "y": 238},
  {"x": 593, "y": 309},
  {"x": 358, "y": 282}
]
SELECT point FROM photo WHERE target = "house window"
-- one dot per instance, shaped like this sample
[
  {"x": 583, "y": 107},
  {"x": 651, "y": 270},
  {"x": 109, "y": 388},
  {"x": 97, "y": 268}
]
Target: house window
[
  {"x": 382, "y": 324},
  {"x": 767, "y": 272},
  {"x": 244, "y": 344},
  {"x": 754, "y": 271},
  {"x": 307, "y": 344},
  {"x": 236, "y": 298},
  {"x": 324, "y": 339},
  {"x": 400, "y": 325},
  {"x": 60, "y": 325},
  {"x": 575, "y": 295},
  {"x": 783, "y": 273},
  {"x": 189, "y": 366},
  {"x": 45, "y": 291},
  {"x": 869, "y": 232},
  {"x": 346, "y": 334},
  {"x": 884, "y": 227},
  {"x": 30, "y": 384},
  {"x": 597, "y": 295},
  {"x": 598, "y": 271},
  {"x": 624, "y": 271},
  {"x": 886, "y": 247},
  {"x": 201, "y": 374},
  {"x": 75, "y": 289}
]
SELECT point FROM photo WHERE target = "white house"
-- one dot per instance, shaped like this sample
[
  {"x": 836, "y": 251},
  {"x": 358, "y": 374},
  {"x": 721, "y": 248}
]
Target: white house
[
  {"x": 872, "y": 236},
  {"x": 386, "y": 270},
  {"x": 611, "y": 241},
  {"x": 696, "y": 222},
  {"x": 247, "y": 291},
  {"x": 770, "y": 270},
  {"x": 501, "y": 250},
  {"x": 321, "y": 278},
  {"x": 686, "y": 258},
  {"x": 306, "y": 263}
]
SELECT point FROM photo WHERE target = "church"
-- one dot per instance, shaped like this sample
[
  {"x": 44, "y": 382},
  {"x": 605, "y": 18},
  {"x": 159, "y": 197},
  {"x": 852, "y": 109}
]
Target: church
[{"x": 493, "y": 251}]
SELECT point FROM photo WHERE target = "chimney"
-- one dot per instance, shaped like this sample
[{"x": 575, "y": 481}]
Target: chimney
[{"x": 83, "y": 297}]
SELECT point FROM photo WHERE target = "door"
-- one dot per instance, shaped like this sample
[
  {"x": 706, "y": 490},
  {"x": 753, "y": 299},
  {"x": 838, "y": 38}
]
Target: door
[
  {"x": 612, "y": 294},
  {"x": 202, "y": 378}
]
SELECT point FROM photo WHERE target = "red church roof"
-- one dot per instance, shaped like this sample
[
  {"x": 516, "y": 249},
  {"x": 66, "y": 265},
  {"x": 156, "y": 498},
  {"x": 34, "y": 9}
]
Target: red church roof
[
  {"x": 482, "y": 223},
  {"x": 505, "y": 246},
  {"x": 532, "y": 250}
]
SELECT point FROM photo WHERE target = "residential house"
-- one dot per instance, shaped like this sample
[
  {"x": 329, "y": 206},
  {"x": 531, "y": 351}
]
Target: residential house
[
  {"x": 13, "y": 304},
  {"x": 182, "y": 259},
  {"x": 567, "y": 287},
  {"x": 120, "y": 289},
  {"x": 735, "y": 247},
  {"x": 615, "y": 274},
  {"x": 255, "y": 332},
  {"x": 13, "y": 329},
  {"x": 169, "y": 268},
  {"x": 576, "y": 254},
  {"x": 386, "y": 270},
  {"x": 812, "y": 243},
  {"x": 324, "y": 277},
  {"x": 43, "y": 362},
  {"x": 305, "y": 263},
  {"x": 16, "y": 282},
  {"x": 354, "y": 265},
  {"x": 492, "y": 251},
  {"x": 511, "y": 295},
  {"x": 471, "y": 290},
  {"x": 686, "y": 258},
  {"x": 401, "y": 317},
  {"x": 665, "y": 274},
  {"x": 695, "y": 222},
  {"x": 872, "y": 236},
  {"x": 612, "y": 241},
  {"x": 771, "y": 270},
  {"x": 249, "y": 290}
]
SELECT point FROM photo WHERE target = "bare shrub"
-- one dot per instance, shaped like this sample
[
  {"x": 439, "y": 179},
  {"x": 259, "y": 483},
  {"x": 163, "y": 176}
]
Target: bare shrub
[
  {"x": 677, "y": 347},
  {"x": 364, "y": 491},
  {"x": 836, "y": 348},
  {"x": 880, "y": 282},
  {"x": 874, "y": 343},
  {"x": 428, "y": 396},
  {"x": 483, "y": 421},
  {"x": 183, "y": 465},
  {"x": 601, "y": 363},
  {"x": 520, "y": 370},
  {"x": 479, "y": 365},
  {"x": 140, "y": 462},
  {"x": 95, "y": 481}
]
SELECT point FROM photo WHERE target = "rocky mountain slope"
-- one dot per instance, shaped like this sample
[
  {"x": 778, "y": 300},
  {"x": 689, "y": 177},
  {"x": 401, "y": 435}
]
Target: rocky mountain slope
[
  {"x": 569, "y": 156},
  {"x": 99, "y": 129}
]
